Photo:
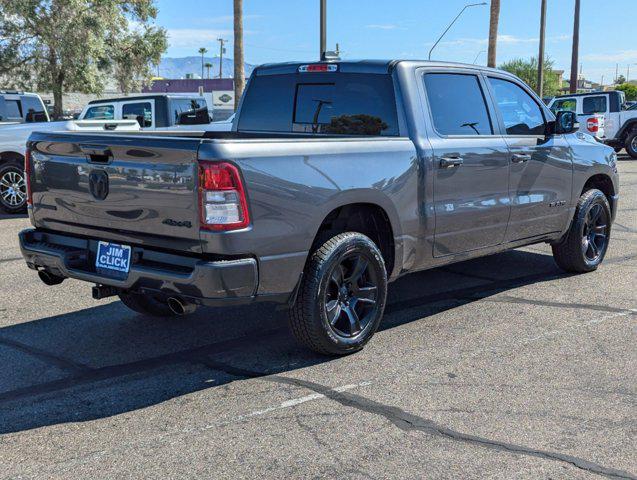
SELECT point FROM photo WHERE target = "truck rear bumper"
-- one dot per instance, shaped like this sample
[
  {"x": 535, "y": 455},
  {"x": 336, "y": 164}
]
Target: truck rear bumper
[{"x": 199, "y": 281}]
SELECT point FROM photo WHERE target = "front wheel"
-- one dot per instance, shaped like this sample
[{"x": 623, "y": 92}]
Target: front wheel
[
  {"x": 13, "y": 187},
  {"x": 583, "y": 247},
  {"x": 342, "y": 295},
  {"x": 631, "y": 145}
]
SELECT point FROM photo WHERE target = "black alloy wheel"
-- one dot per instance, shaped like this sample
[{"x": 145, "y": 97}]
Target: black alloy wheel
[{"x": 351, "y": 296}]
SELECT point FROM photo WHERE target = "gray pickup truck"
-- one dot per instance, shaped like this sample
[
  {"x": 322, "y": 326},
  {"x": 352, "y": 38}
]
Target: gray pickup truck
[{"x": 337, "y": 178}]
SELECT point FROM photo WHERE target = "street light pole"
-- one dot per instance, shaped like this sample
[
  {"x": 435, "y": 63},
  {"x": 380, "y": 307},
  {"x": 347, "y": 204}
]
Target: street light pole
[
  {"x": 540, "y": 57},
  {"x": 451, "y": 24},
  {"x": 323, "y": 41}
]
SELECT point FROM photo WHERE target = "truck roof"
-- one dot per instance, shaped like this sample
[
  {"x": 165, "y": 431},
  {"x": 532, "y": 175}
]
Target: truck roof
[
  {"x": 364, "y": 66},
  {"x": 587, "y": 93},
  {"x": 154, "y": 96}
]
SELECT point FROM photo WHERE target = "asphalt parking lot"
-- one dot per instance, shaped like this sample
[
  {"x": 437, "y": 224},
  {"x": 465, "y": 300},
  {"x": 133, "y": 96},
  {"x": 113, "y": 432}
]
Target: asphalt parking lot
[{"x": 502, "y": 367}]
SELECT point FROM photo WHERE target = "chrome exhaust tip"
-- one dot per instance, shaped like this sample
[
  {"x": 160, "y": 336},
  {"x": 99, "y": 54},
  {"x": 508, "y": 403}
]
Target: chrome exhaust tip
[
  {"x": 49, "y": 279},
  {"x": 179, "y": 307}
]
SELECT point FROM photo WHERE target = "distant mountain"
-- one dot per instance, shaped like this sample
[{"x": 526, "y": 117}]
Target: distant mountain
[{"x": 180, "y": 67}]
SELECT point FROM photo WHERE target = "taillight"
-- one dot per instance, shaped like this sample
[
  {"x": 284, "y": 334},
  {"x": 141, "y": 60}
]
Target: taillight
[
  {"x": 27, "y": 175},
  {"x": 222, "y": 197},
  {"x": 592, "y": 124}
]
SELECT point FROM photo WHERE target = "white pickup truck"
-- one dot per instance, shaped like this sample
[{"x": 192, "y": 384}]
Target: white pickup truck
[
  {"x": 603, "y": 114},
  {"x": 161, "y": 112},
  {"x": 13, "y": 141},
  {"x": 164, "y": 112}
]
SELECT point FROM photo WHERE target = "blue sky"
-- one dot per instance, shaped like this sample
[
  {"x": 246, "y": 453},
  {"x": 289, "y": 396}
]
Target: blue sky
[{"x": 282, "y": 30}]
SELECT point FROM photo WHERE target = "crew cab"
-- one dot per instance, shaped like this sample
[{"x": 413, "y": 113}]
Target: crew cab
[
  {"x": 156, "y": 112},
  {"x": 604, "y": 114},
  {"x": 338, "y": 178}
]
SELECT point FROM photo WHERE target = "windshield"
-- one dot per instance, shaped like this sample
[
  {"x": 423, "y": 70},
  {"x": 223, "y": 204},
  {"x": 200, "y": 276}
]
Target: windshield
[{"x": 321, "y": 103}]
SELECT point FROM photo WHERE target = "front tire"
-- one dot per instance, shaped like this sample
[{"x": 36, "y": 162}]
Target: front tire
[
  {"x": 631, "y": 144},
  {"x": 13, "y": 187},
  {"x": 584, "y": 246},
  {"x": 341, "y": 297}
]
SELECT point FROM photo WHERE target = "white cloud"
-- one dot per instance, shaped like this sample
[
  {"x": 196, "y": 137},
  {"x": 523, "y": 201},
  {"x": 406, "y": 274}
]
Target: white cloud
[
  {"x": 503, "y": 39},
  {"x": 195, "y": 38},
  {"x": 376, "y": 26},
  {"x": 624, "y": 56}
]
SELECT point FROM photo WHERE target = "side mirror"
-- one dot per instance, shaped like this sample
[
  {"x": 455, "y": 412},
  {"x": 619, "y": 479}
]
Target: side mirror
[{"x": 566, "y": 122}]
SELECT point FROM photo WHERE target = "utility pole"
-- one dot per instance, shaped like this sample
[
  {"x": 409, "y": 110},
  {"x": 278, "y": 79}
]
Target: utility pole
[
  {"x": 239, "y": 69},
  {"x": 222, "y": 50},
  {"x": 575, "y": 52},
  {"x": 540, "y": 57},
  {"x": 323, "y": 28},
  {"x": 617, "y": 72},
  {"x": 494, "y": 19}
]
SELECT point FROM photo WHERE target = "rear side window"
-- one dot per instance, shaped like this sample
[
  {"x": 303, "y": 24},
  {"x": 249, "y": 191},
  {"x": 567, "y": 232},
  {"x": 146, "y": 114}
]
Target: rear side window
[
  {"x": 321, "y": 103},
  {"x": 12, "y": 110},
  {"x": 142, "y": 112},
  {"x": 33, "y": 109},
  {"x": 187, "y": 111},
  {"x": 564, "y": 105},
  {"x": 520, "y": 113},
  {"x": 457, "y": 104},
  {"x": 100, "y": 112},
  {"x": 594, "y": 105}
]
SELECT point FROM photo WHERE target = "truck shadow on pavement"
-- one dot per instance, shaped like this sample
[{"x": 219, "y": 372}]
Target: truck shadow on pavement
[{"x": 106, "y": 360}]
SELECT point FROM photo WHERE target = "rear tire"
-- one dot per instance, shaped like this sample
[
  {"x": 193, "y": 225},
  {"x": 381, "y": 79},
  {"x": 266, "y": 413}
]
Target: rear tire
[
  {"x": 341, "y": 297},
  {"x": 584, "y": 246},
  {"x": 13, "y": 188},
  {"x": 631, "y": 144},
  {"x": 146, "y": 305}
]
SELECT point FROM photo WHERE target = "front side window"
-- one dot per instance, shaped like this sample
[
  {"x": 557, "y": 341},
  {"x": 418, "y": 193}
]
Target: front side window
[
  {"x": 564, "y": 105},
  {"x": 142, "y": 112},
  {"x": 594, "y": 105},
  {"x": 520, "y": 113},
  {"x": 100, "y": 112},
  {"x": 457, "y": 104}
]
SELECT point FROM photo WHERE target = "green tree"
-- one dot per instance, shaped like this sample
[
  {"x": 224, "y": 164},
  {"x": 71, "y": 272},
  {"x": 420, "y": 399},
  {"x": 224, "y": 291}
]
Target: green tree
[
  {"x": 527, "y": 71},
  {"x": 629, "y": 89},
  {"x": 77, "y": 45},
  {"x": 619, "y": 80}
]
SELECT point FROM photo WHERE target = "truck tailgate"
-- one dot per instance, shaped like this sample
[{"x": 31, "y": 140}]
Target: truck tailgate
[{"x": 133, "y": 189}]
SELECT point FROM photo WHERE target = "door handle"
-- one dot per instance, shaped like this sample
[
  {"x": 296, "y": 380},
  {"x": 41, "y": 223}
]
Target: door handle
[
  {"x": 520, "y": 157},
  {"x": 449, "y": 162}
]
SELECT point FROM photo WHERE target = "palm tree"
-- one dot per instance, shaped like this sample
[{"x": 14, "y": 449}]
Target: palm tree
[
  {"x": 208, "y": 66},
  {"x": 202, "y": 52},
  {"x": 493, "y": 32},
  {"x": 239, "y": 73}
]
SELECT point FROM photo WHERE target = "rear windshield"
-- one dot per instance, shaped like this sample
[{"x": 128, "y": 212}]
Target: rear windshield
[{"x": 321, "y": 103}]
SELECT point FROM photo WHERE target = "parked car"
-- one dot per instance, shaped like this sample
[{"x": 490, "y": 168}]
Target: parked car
[
  {"x": 338, "y": 177},
  {"x": 13, "y": 142},
  {"x": 21, "y": 107},
  {"x": 619, "y": 124},
  {"x": 156, "y": 112}
]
